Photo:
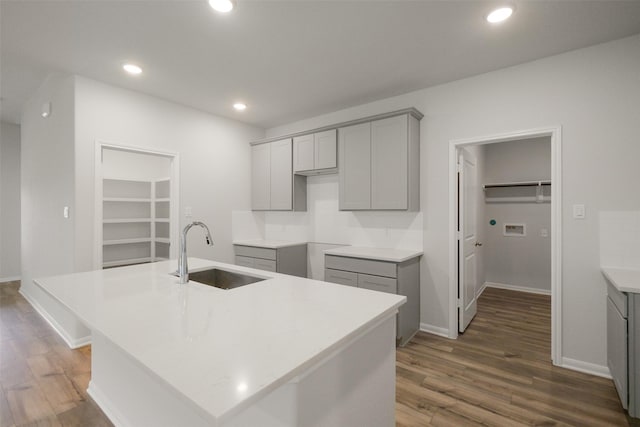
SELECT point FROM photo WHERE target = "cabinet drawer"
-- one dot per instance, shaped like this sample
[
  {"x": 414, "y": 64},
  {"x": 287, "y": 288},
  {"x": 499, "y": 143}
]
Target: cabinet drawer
[
  {"x": 341, "y": 277},
  {"x": 618, "y": 299},
  {"x": 244, "y": 261},
  {"x": 377, "y": 283},
  {"x": 253, "y": 252},
  {"x": 265, "y": 264},
  {"x": 359, "y": 265}
]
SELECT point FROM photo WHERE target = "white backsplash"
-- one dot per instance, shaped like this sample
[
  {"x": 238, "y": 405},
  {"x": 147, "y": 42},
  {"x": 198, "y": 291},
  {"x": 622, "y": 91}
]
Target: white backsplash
[
  {"x": 620, "y": 239},
  {"x": 326, "y": 227}
]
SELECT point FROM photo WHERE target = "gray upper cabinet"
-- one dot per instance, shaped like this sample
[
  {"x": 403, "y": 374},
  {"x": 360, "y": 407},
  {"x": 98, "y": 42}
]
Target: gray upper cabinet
[
  {"x": 261, "y": 177},
  {"x": 379, "y": 164},
  {"x": 354, "y": 168},
  {"x": 315, "y": 153},
  {"x": 272, "y": 180},
  {"x": 303, "y": 153},
  {"x": 281, "y": 175}
]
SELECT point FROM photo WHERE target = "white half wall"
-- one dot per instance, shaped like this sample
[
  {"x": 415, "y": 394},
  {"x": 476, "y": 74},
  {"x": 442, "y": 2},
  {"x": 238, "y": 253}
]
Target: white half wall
[
  {"x": 592, "y": 93},
  {"x": 9, "y": 202},
  {"x": 214, "y": 160}
]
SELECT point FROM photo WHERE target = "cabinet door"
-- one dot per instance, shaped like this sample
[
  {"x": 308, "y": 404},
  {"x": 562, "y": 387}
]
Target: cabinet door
[
  {"x": 389, "y": 163},
  {"x": 281, "y": 175},
  {"x": 617, "y": 351},
  {"x": 341, "y": 277},
  {"x": 354, "y": 168},
  {"x": 261, "y": 177},
  {"x": 303, "y": 153},
  {"x": 377, "y": 283},
  {"x": 245, "y": 261},
  {"x": 325, "y": 149}
]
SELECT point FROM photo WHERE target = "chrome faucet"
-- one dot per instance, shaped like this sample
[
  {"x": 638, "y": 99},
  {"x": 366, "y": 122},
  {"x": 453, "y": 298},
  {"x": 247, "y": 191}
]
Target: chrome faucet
[{"x": 183, "y": 269}]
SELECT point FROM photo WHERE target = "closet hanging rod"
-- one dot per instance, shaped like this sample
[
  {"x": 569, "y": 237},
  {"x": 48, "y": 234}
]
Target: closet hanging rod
[{"x": 518, "y": 184}]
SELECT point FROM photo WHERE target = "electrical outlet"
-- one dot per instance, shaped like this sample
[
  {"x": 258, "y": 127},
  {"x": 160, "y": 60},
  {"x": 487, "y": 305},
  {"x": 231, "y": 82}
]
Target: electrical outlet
[
  {"x": 544, "y": 232},
  {"x": 579, "y": 212}
]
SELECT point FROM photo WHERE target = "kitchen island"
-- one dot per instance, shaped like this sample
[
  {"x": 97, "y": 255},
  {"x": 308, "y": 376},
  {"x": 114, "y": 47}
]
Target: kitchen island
[{"x": 284, "y": 351}]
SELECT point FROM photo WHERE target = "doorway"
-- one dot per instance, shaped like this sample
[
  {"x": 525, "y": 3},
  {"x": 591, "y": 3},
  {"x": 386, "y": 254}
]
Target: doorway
[
  {"x": 467, "y": 198},
  {"x": 136, "y": 205}
]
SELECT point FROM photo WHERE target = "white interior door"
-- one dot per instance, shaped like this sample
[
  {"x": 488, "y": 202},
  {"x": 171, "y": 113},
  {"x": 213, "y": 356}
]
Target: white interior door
[{"x": 467, "y": 238}]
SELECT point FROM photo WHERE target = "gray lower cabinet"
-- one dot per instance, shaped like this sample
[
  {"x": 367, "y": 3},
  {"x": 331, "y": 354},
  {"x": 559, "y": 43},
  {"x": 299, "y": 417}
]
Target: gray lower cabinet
[
  {"x": 287, "y": 260},
  {"x": 384, "y": 276},
  {"x": 623, "y": 346}
]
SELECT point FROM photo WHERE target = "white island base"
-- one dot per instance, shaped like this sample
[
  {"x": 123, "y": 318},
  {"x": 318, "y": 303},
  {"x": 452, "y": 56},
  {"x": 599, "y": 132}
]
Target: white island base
[{"x": 355, "y": 386}]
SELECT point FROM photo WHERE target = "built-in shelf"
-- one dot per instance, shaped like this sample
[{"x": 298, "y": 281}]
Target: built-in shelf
[
  {"x": 136, "y": 219},
  {"x": 126, "y": 199},
  {"x": 127, "y": 241},
  {"x": 518, "y": 192},
  {"x": 125, "y": 220}
]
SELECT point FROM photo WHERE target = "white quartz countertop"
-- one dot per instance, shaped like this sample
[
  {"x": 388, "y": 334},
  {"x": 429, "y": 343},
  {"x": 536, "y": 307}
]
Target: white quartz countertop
[
  {"x": 380, "y": 254},
  {"x": 269, "y": 244},
  {"x": 624, "y": 279},
  {"x": 222, "y": 350}
]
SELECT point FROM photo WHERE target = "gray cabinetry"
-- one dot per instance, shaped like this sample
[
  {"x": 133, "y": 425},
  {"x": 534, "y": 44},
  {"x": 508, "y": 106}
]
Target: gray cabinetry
[
  {"x": 354, "y": 168},
  {"x": 401, "y": 278},
  {"x": 623, "y": 346},
  {"x": 379, "y": 164},
  {"x": 273, "y": 186},
  {"x": 286, "y": 260},
  {"x": 315, "y": 153}
]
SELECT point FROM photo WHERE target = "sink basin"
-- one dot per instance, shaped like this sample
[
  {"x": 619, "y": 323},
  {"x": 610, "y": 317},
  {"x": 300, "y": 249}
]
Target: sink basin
[{"x": 223, "y": 279}]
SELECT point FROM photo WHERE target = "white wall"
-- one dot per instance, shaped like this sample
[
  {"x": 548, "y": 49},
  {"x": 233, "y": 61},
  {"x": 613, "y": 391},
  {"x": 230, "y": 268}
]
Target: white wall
[
  {"x": 592, "y": 93},
  {"x": 47, "y": 177},
  {"x": 620, "y": 239},
  {"x": 129, "y": 165},
  {"x": 325, "y": 227},
  {"x": 519, "y": 262},
  {"x": 9, "y": 202},
  {"x": 214, "y": 160}
]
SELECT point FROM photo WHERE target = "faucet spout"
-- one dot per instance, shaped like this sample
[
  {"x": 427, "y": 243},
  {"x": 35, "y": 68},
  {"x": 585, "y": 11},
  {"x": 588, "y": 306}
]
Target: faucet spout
[{"x": 183, "y": 269}]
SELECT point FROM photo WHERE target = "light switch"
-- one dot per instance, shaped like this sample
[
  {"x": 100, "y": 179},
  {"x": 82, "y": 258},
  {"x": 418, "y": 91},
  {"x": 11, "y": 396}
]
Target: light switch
[
  {"x": 544, "y": 232},
  {"x": 65, "y": 212},
  {"x": 188, "y": 212},
  {"x": 578, "y": 212}
]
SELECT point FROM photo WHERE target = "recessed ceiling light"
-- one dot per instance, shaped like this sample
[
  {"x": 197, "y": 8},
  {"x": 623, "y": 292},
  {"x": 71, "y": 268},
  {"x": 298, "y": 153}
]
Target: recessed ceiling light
[
  {"x": 240, "y": 106},
  {"x": 223, "y": 6},
  {"x": 132, "y": 69},
  {"x": 500, "y": 14}
]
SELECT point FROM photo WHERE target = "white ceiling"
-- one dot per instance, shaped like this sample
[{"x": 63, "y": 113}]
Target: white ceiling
[{"x": 287, "y": 59}]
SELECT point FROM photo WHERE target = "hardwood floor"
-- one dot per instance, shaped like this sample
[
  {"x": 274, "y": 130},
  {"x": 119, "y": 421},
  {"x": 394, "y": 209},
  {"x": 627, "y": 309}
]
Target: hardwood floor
[
  {"x": 43, "y": 382},
  {"x": 498, "y": 373}
]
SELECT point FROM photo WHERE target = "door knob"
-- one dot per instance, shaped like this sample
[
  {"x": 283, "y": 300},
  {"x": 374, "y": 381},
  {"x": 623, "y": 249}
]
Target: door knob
[{"x": 478, "y": 244}]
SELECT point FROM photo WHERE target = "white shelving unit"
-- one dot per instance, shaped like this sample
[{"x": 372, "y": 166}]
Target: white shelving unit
[
  {"x": 518, "y": 192},
  {"x": 136, "y": 221}
]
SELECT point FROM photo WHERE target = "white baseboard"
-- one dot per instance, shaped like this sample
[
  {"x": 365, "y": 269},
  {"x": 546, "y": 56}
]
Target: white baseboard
[
  {"x": 9, "y": 279},
  {"x": 435, "y": 330},
  {"x": 482, "y": 289},
  {"x": 516, "y": 288},
  {"x": 586, "y": 367},
  {"x": 71, "y": 342},
  {"x": 104, "y": 403}
]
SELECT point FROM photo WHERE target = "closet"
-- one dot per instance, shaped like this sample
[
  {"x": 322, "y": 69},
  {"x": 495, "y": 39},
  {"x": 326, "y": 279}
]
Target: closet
[{"x": 136, "y": 207}]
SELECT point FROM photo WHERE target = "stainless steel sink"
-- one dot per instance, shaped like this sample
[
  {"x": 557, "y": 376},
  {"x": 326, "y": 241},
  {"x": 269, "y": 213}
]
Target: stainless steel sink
[{"x": 222, "y": 279}]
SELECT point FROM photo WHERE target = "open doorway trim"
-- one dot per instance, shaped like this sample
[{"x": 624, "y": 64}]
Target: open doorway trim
[
  {"x": 98, "y": 215},
  {"x": 556, "y": 227}
]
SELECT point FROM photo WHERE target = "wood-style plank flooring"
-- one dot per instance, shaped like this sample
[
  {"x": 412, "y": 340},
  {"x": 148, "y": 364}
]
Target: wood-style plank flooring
[{"x": 497, "y": 374}]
